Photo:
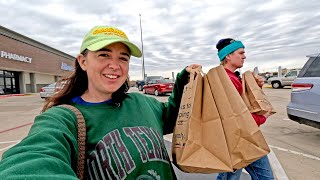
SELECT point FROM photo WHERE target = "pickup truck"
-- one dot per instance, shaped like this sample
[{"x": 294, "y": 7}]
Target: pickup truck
[
  {"x": 141, "y": 83},
  {"x": 286, "y": 80}
]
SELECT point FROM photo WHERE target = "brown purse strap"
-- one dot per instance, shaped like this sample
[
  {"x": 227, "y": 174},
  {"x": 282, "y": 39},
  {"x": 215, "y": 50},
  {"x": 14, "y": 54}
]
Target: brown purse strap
[{"x": 81, "y": 126}]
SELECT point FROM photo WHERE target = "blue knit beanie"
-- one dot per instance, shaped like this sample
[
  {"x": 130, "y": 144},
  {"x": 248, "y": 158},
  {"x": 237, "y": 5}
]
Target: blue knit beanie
[{"x": 227, "y": 46}]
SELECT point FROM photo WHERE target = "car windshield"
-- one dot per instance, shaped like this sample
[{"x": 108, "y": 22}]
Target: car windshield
[
  {"x": 60, "y": 85},
  {"x": 313, "y": 70},
  {"x": 292, "y": 73},
  {"x": 52, "y": 85},
  {"x": 153, "y": 78},
  {"x": 165, "y": 81}
]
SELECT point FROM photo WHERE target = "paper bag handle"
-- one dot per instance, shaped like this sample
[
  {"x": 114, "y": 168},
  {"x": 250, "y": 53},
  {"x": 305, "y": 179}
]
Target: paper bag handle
[{"x": 193, "y": 74}]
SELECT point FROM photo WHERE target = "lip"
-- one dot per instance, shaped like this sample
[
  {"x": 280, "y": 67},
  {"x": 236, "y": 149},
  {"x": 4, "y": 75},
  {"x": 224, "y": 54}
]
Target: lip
[
  {"x": 111, "y": 74},
  {"x": 110, "y": 79}
]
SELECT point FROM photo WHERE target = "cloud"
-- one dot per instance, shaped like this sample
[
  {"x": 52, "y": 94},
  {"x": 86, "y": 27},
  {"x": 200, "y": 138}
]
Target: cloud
[{"x": 177, "y": 33}]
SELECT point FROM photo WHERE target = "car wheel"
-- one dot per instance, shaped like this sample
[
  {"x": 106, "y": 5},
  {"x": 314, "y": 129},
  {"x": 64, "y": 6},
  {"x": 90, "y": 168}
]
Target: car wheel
[
  {"x": 156, "y": 92},
  {"x": 140, "y": 88},
  {"x": 276, "y": 85},
  {"x": 144, "y": 91}
]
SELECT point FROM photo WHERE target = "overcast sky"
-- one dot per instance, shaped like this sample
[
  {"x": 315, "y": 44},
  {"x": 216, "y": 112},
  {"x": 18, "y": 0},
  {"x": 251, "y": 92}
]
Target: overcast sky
[{"x": 177, "y": 33}]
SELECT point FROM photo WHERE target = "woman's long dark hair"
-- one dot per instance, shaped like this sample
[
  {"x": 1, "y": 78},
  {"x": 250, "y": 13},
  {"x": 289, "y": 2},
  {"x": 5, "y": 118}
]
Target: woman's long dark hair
[{"x": 75, "y": 85}]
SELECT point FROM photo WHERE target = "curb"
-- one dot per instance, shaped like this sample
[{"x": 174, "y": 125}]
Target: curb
[
  {"x": 14, "y": 95},
  {"x": 277, "y": 169},
  {"x": 267, "y": 86}
]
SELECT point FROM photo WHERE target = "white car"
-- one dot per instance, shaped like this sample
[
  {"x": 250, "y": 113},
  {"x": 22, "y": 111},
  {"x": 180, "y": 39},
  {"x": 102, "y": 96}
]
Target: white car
[{"x": 51, "y": 89}]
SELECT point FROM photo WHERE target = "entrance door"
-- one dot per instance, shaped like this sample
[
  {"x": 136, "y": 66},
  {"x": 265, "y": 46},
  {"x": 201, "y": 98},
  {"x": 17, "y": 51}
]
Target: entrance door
[{"x": 9, "y": 82}]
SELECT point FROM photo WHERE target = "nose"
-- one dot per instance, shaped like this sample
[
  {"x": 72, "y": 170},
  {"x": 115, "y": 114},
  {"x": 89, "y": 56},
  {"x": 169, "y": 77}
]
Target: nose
[{"x": 114, "y": 64}]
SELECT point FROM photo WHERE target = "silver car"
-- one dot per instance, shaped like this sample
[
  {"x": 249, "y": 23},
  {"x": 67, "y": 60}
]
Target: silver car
[
  {"x": 286, "y": 80},
  {"x": 51, "y": 89},
  {"x": 305, "y": 96}
]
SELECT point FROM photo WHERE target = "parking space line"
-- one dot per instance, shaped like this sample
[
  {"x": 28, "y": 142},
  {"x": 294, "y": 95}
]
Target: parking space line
[
  {"x": 6, "y": 130},
  {"x": 295, "y": 152},
  {"x": 7, "y": 142},
  {"x": 5, "y": 148},
  {"x": 286, "y": 119}
]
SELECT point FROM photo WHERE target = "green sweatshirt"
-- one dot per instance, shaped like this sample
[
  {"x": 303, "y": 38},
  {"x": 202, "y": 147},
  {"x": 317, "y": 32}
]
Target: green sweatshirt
[{"x": 123, "y": 142}]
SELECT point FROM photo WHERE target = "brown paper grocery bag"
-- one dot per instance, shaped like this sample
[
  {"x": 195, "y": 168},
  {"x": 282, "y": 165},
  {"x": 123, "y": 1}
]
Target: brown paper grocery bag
[
  {"x": 253, "y": 96},
  {"x": 199, "y": 144},
  {"x": 245, "y": 141}
]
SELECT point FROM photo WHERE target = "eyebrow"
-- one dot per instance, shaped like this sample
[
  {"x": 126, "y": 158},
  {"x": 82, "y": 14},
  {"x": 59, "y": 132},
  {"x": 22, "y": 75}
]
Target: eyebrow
[{"x": 108, "y": 50}]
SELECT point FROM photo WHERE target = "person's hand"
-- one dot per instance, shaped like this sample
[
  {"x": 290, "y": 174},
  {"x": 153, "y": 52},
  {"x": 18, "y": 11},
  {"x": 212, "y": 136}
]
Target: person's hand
[
  {"x": 267, "y": 114},
  {"x": 259, "y": 80},
  {"x": 192, "y": 66}
]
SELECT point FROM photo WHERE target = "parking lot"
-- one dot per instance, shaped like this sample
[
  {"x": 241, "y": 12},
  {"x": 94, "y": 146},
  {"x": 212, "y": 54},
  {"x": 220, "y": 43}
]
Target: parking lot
[{"x": 295, "y": 147}]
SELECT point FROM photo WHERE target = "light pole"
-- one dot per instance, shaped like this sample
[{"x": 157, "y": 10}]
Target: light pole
[{"x": 143, "y": 70}]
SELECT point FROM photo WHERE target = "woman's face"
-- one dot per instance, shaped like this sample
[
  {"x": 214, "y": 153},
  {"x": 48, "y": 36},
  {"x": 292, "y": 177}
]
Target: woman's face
[{"x": 107, "y": 70}]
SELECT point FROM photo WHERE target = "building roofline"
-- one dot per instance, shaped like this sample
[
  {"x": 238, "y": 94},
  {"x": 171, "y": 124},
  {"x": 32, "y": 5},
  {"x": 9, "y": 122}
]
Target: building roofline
[{"x": 24, "y": 39}]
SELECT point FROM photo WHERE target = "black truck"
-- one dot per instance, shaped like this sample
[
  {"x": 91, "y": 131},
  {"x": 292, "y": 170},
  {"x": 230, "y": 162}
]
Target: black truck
[{"x": 141, "y": 83}]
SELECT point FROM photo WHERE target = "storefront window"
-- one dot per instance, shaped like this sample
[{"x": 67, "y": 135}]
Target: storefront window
[
  {"x": 8, "y": 73},
  {"x": 1, "y": 82},
  {"x": 8, "y": 82}
]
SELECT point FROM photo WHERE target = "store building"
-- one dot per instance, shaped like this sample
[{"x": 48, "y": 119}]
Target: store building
[{"x": 27, "y": 65}]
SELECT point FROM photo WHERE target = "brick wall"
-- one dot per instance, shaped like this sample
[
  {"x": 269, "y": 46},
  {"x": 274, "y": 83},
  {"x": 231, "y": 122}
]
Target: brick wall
[{"x": 42, "y": 61}]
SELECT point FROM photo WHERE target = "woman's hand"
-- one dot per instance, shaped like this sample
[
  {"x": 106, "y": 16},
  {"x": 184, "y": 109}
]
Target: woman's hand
[{"x": 192, "y": 66}]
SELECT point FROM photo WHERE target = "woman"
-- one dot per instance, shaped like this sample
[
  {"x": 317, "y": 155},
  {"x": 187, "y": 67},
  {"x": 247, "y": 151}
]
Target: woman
[{"x": 124, "y": 130}]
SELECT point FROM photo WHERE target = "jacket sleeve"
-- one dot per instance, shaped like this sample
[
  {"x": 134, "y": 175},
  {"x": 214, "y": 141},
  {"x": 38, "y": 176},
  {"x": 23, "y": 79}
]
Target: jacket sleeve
[
  {"x": 48, "y": 152},
  {"x": 260, "y": 119},
  {"x": 171, "y": 108}
]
